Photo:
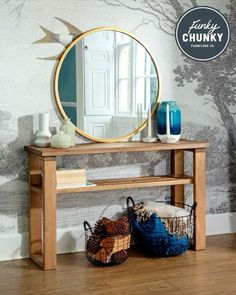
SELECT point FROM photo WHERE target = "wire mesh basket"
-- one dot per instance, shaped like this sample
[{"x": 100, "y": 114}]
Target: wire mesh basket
[
  {"x": 101, "y": 250},
  {"x": 162, "y": 236}
]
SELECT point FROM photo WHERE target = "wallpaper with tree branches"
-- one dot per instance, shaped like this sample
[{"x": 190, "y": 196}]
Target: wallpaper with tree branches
[{"x": 31, "y": 42}]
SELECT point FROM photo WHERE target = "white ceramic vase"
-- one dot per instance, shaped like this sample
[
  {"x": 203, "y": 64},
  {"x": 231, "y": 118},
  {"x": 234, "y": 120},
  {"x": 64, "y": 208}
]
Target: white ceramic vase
[
  {"x": 61, "y": 140},
  {"x": 69, "y": 128},
  {"x": 43, "y": 135}
]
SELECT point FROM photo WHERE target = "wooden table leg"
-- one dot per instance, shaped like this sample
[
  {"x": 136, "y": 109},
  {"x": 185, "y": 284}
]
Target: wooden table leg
[
  {"x": 199, "y": 189},
  {"x": 35, "y": 210},
  {"x": 49, "y": 213},
  {"x": 177, "y": 168}
]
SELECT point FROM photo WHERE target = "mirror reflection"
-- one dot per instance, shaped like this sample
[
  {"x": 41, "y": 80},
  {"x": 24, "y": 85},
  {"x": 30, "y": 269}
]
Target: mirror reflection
[{"x": 107, "y": 82}]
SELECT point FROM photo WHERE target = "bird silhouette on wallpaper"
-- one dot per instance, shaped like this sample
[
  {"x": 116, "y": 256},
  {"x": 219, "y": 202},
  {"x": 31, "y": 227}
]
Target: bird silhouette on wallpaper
[{"x": 63, "y": 39}]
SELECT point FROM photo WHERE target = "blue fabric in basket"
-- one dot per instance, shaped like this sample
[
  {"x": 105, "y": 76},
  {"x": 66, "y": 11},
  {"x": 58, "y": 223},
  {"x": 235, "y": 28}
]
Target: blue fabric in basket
[{"x": 154, "y": 238}]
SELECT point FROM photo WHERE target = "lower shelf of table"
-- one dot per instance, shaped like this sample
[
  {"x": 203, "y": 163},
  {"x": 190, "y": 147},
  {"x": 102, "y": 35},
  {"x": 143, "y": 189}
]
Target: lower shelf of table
[{"x": 124, "y": 183}]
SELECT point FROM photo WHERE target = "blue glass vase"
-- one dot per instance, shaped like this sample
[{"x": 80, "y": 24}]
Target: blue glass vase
[{"x": 168, "y": 122}]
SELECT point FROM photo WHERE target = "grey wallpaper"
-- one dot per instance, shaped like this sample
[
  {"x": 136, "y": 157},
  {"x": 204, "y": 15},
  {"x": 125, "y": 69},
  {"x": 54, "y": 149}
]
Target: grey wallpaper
[{"x": 34, "y": 33}]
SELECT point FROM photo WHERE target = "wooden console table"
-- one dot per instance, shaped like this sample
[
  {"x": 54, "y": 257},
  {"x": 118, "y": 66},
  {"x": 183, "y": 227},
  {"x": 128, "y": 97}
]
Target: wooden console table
[{"x": 43, "y": 191}]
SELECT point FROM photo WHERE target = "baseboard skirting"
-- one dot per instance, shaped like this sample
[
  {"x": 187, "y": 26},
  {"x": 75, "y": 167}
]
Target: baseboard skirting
[
  {"x": 15, "y": 246},
  {"x": 223, "y": 223}
]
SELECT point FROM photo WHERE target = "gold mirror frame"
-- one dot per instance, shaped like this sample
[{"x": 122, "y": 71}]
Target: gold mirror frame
[{"x": 56, "y": 78}]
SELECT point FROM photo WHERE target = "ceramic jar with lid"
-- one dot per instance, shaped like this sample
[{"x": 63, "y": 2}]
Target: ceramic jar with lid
[{"x": 61, "y": 140}]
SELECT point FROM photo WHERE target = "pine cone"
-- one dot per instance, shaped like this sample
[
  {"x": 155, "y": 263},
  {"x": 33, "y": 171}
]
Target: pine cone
[
  {"x": 116, "y": 228},
  {"x": 111, "y": 229},
  {"x": 93, "y": 244},
  {"x": 119, "y": 257},
  {"x": 99, "y": 228},
  {"x": 106, "y": 220},
  {"x": 122, "y": 226}
]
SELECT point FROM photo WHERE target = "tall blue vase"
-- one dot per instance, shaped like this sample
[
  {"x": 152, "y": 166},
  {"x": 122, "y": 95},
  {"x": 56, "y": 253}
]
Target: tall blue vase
[{"x": 168, "y": 122}]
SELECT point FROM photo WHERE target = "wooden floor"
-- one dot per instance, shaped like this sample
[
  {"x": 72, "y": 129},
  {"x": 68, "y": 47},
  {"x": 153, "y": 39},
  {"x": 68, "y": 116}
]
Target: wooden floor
[{"x": 207, "y": 272}]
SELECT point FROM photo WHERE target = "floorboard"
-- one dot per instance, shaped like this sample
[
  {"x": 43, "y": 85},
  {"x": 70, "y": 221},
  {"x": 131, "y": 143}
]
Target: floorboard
[{"x": 212, "y": 271}]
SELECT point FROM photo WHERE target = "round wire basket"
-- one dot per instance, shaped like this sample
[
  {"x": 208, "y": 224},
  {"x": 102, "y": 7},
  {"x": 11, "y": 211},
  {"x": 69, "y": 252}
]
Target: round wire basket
[
  {"x": 162, "y": 236},
  {"x": 110, "y": 250}
]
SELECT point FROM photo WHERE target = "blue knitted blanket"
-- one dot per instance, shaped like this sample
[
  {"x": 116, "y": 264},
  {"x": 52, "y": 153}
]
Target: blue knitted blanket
[{"x": 153, "y": 237}]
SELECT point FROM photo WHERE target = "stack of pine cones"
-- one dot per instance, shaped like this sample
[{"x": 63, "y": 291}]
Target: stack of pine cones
[{"x": 109, "y": 241}]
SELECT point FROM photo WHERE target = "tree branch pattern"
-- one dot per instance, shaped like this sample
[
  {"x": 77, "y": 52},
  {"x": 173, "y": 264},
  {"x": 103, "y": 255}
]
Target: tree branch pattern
[
  {"x": 215, "y": 79},
  {"x": 163, "y": 14},
  {"x": 17, "y": 10}
]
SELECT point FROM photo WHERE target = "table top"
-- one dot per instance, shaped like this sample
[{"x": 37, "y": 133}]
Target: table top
[{"x": 116, "y": 147}]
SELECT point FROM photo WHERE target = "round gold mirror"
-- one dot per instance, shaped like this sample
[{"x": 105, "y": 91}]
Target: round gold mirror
[{"x": 105, "y": 82}]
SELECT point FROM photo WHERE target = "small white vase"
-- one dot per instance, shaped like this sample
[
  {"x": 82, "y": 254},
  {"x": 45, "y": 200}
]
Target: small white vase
[
  {"x": 61, "y": 140},
  {"x": 43, "y": 135},
  {"x": 69, "y": 128}
]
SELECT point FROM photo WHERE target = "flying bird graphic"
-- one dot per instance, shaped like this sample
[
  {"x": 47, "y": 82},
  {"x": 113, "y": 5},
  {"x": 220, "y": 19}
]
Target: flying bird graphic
[{"x": 63, "y": 39}]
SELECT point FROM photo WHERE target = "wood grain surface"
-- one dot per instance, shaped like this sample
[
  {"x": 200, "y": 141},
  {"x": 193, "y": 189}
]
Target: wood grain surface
[
  {"x": 116, "y": 147},
  {"x": 211, "y": 271}
]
